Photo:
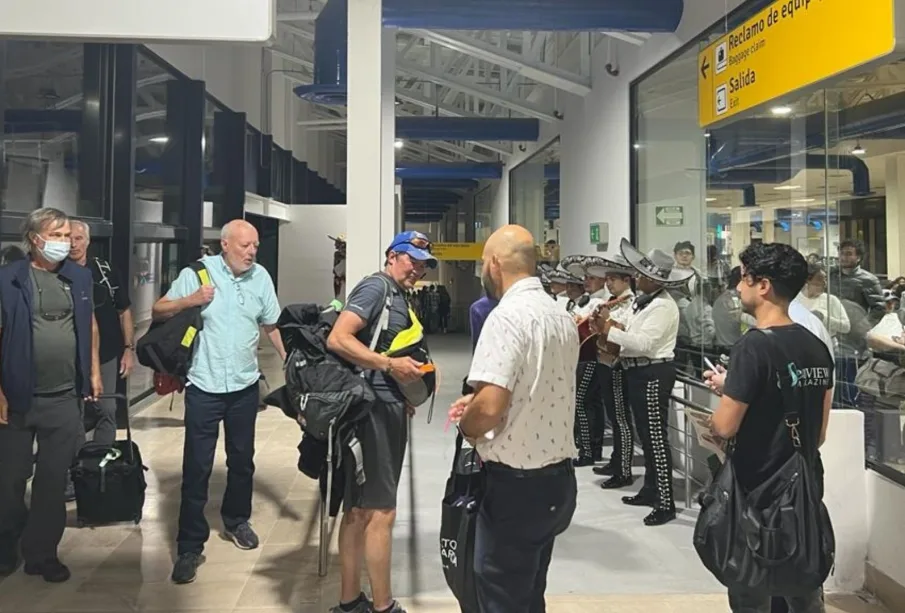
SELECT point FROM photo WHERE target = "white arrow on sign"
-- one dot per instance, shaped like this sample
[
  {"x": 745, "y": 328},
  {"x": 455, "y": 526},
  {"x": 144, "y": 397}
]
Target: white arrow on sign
[{"x": 667, "y": 214}]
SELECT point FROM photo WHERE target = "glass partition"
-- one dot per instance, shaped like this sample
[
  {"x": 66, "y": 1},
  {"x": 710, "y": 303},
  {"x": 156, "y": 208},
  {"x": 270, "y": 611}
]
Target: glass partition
[
  {"x": 823, "y": 172},
  {"x": 42, "y": 87},
  {"x": 528, "y": 193}
]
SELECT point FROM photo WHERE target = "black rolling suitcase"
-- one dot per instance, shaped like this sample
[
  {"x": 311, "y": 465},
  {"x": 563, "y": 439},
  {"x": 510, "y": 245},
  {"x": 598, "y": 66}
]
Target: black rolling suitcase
[{"x": 109, "y": 481}]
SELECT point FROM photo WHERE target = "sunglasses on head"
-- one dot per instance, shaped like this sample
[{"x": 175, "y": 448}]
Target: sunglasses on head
[{"x": 418, "y": 243}]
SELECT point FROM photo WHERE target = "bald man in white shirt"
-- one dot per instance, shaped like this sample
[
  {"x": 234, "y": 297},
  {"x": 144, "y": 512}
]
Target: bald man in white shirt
[{"x": 521, "y": 418}]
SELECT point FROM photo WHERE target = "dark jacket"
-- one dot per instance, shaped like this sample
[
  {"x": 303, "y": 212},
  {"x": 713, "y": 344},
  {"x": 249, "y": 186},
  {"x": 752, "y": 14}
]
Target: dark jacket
[
  {"x": 17, "y": 373},
  {"x": 861, "y": 287}
]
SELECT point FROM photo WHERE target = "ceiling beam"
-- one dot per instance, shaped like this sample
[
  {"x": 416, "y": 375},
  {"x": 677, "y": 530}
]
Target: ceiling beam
[
  {"x": 298, "y": 16},
  {"x": 468, "y": 87},
  {"x": 542, "y": 73}
]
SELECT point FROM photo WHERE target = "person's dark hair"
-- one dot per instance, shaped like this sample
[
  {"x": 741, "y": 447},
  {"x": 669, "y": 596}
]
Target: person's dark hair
[
  {"x": 814, "y": 270},
  {"x": 682, "y": 245},
  {"x": 782, "y": 265},
  {"x": 735, "y": 277},
  {"x": 12, "y": 253},
  {"x": 853, "y": 243}
]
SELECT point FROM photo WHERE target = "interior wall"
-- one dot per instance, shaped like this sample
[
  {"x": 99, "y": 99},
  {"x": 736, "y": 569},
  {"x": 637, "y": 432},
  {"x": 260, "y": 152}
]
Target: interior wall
[
  {"x": 885, "y": 507},
  {"x": 306, "y": 254},
  {"x": 34, "y": 182}
]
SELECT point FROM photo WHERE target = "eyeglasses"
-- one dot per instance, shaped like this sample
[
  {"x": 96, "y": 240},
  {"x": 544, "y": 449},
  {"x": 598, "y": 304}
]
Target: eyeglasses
[{"x": 56, "y": 315}]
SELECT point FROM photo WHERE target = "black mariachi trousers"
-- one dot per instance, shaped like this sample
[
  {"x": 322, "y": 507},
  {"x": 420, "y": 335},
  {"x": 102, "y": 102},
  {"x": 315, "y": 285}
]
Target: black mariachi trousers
[
  {"x": 648, "y": 390},
  {"x": 617, "y": 410},
  {"x": 587, "y": 399}
]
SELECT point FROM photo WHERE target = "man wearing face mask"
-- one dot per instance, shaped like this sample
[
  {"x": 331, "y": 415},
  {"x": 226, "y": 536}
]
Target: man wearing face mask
[
  {"x": 362, "y": 335},
  {"x": 222, "y": 387},
  {"x": 49, "y": 362}
]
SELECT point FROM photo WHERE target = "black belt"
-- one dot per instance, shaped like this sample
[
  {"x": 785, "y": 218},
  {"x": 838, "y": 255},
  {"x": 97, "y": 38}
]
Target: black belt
[
  {"x": 565, "y": 467},
  {"x": 639, "y": 362}
]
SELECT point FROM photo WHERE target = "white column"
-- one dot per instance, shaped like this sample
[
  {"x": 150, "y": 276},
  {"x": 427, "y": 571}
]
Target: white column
[
  {"x": 371, "y": 129},
  {"x": 895, "y": 215}
]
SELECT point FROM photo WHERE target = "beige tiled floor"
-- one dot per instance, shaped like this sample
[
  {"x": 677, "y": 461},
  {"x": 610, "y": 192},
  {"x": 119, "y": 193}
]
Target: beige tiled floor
[{"x": 126, "y": 568}]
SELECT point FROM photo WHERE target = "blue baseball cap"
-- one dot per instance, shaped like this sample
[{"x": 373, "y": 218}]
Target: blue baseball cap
[{"x": 416, "y": 245}]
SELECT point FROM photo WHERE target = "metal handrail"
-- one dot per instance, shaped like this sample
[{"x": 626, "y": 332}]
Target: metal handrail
[{"x": 688, "y": 435}]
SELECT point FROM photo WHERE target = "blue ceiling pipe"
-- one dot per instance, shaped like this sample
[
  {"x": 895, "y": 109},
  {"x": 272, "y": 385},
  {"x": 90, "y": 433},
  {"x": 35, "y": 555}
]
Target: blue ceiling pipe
[
  {"x": 467, "y": 128},
  {"x": 331, "y": 51},
  {"x": 561, "y": 15},
  {"x": 449, "y": 171},
  {"x": 441, "y": 184},
  {"x": 780, "y": 170}
]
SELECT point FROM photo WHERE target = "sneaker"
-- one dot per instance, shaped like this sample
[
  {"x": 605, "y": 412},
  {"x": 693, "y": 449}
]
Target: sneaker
[
  {"x": 53, "y": 571},
  {"x": 243, "y": 536},
  {"x": 186, "y": 568},
  {"x": 394, "y": 608},
  {"x": 362, "y": 605}
]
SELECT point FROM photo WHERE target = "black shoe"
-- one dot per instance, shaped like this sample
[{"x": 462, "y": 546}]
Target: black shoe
[
  {"x": 639, "y": 500},
  {"x": 53, "y": 571},
  {"x": 243, "y": 536},
  {"x": 186, "y": 568},
  {"x": 615, "y": 482},
  {"x": 585, "y": 461},
  {"x": 659, "y": 517},
  {"x": 606, "y": 470}
]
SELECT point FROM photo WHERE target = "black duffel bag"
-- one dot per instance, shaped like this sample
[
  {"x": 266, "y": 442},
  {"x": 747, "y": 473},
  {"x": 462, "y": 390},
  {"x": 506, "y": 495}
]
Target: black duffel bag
[
  {"x": 776, "y": 539},
  {"x": 109, "y": 481},
  {"x": 459, "y": 516}
]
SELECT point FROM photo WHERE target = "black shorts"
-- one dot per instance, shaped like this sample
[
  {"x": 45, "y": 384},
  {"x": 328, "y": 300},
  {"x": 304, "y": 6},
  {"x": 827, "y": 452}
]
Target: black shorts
[{"x": 383, "y": 436}]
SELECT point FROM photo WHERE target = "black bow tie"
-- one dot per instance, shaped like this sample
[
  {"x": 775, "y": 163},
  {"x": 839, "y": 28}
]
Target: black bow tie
[{"x": 643, "y": 300}]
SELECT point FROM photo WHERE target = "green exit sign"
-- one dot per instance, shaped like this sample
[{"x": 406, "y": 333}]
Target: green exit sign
[{"x": 595, "y": 233}]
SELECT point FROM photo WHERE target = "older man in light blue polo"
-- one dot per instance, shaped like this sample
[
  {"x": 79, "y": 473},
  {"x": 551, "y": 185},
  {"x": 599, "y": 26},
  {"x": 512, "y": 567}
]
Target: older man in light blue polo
[{"x": 222, "y": 386}]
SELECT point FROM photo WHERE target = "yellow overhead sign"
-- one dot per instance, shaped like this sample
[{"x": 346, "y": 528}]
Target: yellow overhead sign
[
  {"x": 787, "y": 46},
  {"x": 458, "y": 251}
]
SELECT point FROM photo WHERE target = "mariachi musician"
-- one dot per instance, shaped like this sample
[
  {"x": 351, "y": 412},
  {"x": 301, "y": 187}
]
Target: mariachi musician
[
  {"x": 566, "y": 287},
  {"x": 645, "y": 340},
  {"x": 619, "y": 275},
  {"x": 589, "y": 413}
]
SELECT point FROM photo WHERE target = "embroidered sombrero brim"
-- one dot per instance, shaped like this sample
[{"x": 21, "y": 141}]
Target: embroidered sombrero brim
[
  {"x": 604, "y": 265},
  {"x": 562, "y": 276},
  {"x": 658, "y": 266},
  {"x": 574, "y": 265}
]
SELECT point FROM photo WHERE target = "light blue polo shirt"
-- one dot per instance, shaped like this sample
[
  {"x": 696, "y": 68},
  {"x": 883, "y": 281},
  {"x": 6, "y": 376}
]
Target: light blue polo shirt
[{"x": 226, "y": 357}]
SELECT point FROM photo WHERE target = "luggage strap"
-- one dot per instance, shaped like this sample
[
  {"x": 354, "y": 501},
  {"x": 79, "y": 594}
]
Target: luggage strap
[{"x": 128, "y": 429}]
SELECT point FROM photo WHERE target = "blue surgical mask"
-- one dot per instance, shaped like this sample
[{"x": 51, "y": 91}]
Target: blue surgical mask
[{"x": 56, "y": 251}]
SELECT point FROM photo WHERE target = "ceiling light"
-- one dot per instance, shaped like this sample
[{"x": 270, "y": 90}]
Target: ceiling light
[
  {"x": 160, "y": 139},
  {"x": 803, "y": 200},
  {"x": 781, "y": 110},
  {"x": 636, "y": 146},
  {"x": 859, "y": 150},
  {"x": 786, "y": 187},
  {"x": 399, "y": 144},
  {"x": 709, "y": 199}
]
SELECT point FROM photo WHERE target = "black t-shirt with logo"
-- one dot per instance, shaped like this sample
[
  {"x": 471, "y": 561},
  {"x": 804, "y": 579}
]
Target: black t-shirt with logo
[
  {"x": 760, "y": 363},
  {"x": 111, "y": 297}
]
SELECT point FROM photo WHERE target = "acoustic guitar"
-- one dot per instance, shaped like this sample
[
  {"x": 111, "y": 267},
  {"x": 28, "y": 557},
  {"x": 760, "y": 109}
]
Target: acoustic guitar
[
  {"x": 607, "y": 352},
  {"x": 587, "y": 351}
]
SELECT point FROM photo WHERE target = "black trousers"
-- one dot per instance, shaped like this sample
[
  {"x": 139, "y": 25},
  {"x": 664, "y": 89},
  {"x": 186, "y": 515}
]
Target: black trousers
[
  {"x": 56, "y": 422},
  {"x": 522, "y": 513},
  {"x": 648, "y": 390},
  {"x": 587, "y": 413},
  {"x": 203, "y": 413},
  {"x": 753, "y": 603},
  {"x": 617, "y": 408}
]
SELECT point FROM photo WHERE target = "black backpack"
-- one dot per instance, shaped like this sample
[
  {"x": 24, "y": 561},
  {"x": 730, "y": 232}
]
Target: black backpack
[
  {"x": 168, "y": 346},
  {"x": 776, "y": 539}
]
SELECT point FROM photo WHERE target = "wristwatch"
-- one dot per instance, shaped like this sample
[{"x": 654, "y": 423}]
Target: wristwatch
[{"x": 130, "y": 346}]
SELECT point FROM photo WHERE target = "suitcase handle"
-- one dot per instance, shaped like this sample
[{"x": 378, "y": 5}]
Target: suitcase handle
[{"x": 128, "y": 421}]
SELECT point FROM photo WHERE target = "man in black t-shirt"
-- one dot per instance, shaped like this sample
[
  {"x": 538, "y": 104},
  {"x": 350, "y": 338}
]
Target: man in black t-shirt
[
  {"x": 115, "y": 328},
  {"x": 751, "y": 408}
]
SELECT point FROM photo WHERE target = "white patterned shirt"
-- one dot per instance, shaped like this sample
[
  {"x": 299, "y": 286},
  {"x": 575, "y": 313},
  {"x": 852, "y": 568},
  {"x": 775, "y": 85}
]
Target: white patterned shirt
[{"x": 529, "y": 345}]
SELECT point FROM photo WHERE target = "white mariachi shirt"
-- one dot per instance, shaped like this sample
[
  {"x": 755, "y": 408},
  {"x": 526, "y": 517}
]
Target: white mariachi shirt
[
  {"x": 650, "y": 332},
  {"x": 594, "y": 300}
]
